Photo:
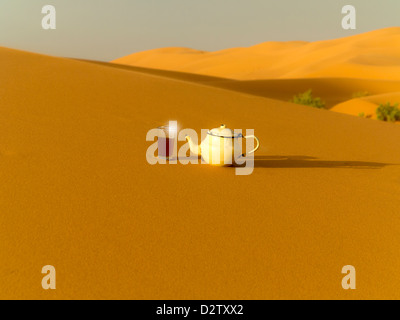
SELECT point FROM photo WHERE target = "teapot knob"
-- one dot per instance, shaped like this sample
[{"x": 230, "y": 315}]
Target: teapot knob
[{"x": 223, "y": 126}]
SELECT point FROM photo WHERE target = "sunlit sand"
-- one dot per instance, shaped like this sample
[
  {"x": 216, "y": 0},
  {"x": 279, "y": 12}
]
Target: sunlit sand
[
  {"x": 372, "y": 55},
  {"x": 333, "y": 69},
  {"x": 76, "y": 191}
]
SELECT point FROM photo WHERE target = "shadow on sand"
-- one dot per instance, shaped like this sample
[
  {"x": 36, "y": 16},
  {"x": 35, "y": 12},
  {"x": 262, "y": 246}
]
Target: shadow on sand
[{"x": 311, "y": 162}]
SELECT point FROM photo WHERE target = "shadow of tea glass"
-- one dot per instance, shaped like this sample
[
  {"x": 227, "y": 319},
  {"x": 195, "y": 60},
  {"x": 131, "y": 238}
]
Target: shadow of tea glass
[{"x": 166, "y": 140}]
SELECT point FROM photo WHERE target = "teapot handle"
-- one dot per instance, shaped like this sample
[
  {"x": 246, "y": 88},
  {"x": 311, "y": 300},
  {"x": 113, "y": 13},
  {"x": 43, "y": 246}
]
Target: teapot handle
[{"x": 255, "y": 149}]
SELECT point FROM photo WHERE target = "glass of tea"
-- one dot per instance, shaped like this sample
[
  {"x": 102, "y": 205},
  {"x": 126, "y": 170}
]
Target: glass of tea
[{"x": 166, "y": 141}]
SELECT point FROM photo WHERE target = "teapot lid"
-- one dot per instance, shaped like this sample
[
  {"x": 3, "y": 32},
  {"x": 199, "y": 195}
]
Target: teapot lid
[{"x": 223, "y": 132}]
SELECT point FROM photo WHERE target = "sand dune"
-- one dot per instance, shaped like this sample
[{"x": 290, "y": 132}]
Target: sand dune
[
  {"x": 372, "y": 55},
  {"x": 77, "y": 193},
  {"x": 332, "y": 90},
  {"x": 367, "y": 105},
  {"x": 333, "y": 69}
]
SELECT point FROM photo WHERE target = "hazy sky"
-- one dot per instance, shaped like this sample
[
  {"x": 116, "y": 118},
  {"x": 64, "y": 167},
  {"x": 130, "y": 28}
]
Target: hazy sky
[{"x": 108, "y": 29}]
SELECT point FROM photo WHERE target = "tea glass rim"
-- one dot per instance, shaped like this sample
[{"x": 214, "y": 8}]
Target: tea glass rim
[{"x": 167, "y": 130}]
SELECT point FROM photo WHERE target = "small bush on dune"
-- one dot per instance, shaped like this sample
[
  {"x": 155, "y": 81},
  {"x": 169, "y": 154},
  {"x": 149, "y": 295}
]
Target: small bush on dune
[
  {"x": 387, "y": 112},
  {"x": 307, "y": 99},
  {"x": 364, "y": 115},
  {"x": 360, "y": 94}
]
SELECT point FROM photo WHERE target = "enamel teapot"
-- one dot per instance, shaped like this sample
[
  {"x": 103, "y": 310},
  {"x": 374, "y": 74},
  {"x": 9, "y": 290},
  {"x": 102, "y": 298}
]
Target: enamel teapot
[{"x": 218, "y": 148}]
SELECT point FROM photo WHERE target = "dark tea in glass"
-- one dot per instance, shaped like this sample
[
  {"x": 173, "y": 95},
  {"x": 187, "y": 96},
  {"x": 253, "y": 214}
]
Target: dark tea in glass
[{"x": 166, "y": 141}]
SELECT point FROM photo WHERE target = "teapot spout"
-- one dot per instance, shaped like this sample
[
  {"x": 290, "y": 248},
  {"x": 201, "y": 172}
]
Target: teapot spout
[{"x": 194, "y": 148}]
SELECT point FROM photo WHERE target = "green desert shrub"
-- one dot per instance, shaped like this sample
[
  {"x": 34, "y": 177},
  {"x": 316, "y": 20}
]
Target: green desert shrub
[
  {"x": 307, "y": 99},
  {"x": 365, "y": 115},
  {"x": 388, "y": 112},
  {"x": 360, "y": 94}
]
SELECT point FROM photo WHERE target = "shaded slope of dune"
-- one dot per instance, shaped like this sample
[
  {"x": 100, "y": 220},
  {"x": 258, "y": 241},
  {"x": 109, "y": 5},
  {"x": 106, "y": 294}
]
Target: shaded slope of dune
[
  {"x": 332, "y": 90},
  {"x": 372, "y": 55},
  {"x": 191, "y": 77},
  {"x": 367, "y": 106},
  {"x": 77, "y": 193}
]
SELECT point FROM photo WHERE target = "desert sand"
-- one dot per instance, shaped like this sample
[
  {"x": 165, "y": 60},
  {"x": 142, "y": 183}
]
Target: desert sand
[
  {"x": 334, "y": 69},
  {"x": 77, "y": 193},
  {"x": 371, "y": 55},
  {"x": 367, "y": 105}
]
